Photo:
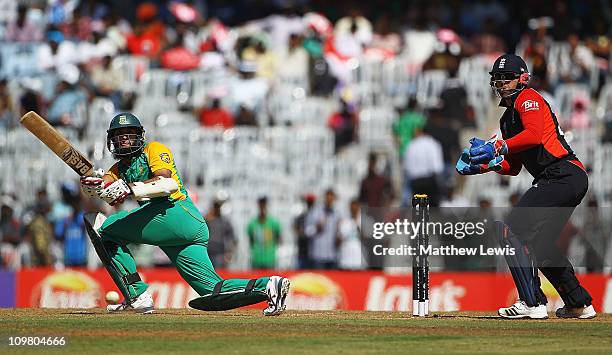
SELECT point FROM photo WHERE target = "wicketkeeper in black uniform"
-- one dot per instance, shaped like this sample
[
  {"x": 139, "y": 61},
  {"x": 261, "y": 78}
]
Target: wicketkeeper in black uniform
[{"x": 531, "y": 137}]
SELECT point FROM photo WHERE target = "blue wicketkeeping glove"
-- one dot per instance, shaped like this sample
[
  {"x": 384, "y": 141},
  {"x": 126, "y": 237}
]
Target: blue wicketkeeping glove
[
  {"x": 482, "y": 152},
  {"x": 465, "y": 167}
]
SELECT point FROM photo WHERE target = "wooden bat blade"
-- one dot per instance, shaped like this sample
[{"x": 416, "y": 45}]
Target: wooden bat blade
[{"x": 57, "y": 143}]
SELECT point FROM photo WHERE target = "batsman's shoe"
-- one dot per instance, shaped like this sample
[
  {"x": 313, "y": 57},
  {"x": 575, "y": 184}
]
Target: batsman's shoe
[
  {"x": 587, "y": 312},
  {"x": 521, "y": 310},
  {"x": 142, "y": 304},
  {"x": 277, "y": 290}
]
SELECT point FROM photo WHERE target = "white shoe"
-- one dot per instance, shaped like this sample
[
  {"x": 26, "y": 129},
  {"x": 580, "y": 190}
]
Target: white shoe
[
  {"x": 277, "y": 290},
  {"x": 142, "y": 304},
  {"x": 521, "y": 310},
  {"x": 587, "y": 312}
]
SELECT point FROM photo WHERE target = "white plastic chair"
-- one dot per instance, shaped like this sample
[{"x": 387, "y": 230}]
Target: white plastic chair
[
  {"x": 375, "y": 126},
  {"x": 564, "y": 99},
  {"x": 604, "y": 103},
  {"x": 429, "y": 86},
  {"x": 131, "y": 69}
]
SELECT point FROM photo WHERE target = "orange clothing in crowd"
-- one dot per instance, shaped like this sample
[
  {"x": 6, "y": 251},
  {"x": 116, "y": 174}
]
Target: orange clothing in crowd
[
  {"x": 211, "y": 117},
  {"x": 179, "y": 59}
]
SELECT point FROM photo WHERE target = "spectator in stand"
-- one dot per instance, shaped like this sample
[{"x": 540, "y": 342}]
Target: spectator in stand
[
  {"x": 488, "y": 42},
  {"x": 448, "y": 52},
  {"x": 247, "y": 90},
  {"x": 143, "y": 43},
  {"x": 245, "y": 117},
  {"x": 6, "y": 107},
  {"x": 264, "y": 234},
  {"x": 215, "y": 115},
  {"x": 423, "y": 163},
  {"x": 600, "y": 45},
  {"x": 213, "y": 58},
  {"x": 420, "y": 41},
  {"x": 376, "y": 190},
  {"x": 344, "y": 125},
  {"x": 302, "y": 225},
  {"x": 23, "y": 29},
  {"x": 280, "y": 25},
  {"x": 71, "y": 232},
  {"x": 385, "y": 42},
  {"x": 39, "y": 232},
  {"x": 178, "y": 57},
  {"x": 323, "y": 238},
  {"x": 406, "y": 124},
  {"x": 79, "y": 28},
  {"x": 58, "y": 12},
  {"x": 149, "y": 15},
  {"x": 404, "y": 130},
  {"x": 456, "y": 109},
  {"x": 222, "y": 242},
  {"x": 321, "y": 81},
  {"x": 453, "y": 200},
  {"x": 355, "y": 25},
  {"x": 579, "y": 117},
  {"x": 514, "y": 198},
  {"x": 350, "y": 253},
  {"x": 536, "y": 54},
  {"x": 343, "y": 49},
  {"x": 441, "y": 130},
  {"x": 64, "y": 104},
  {"x": 107, "y": 81},
  {"x": 535, "y": 45},
  {"x": 56, "y": 52},
  {"x": 264, "y": 59},
  {"x": 31, "y": 99},
  {"x": 10, "y": 235},
  {"x": 294, "y": 59},
  {"x": 61, "y": 208},
  {"x": 577, "y": 67},
  {"x": 115, "y": 31}
]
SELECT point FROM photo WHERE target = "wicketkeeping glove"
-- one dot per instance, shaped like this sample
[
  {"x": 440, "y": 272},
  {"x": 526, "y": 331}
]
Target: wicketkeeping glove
[
  {"x": 465, "y": 167},
  {"x": 482, "y": 152}
]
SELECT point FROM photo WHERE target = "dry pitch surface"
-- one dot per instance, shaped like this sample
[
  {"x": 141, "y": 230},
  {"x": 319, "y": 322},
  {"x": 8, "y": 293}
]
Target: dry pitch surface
[{"x": 247, "y": 332}]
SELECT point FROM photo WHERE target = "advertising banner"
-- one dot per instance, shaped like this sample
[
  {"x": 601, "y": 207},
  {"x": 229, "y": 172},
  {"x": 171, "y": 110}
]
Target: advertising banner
[
  {"x": 7, "y": 284},
  {"x": 310, "y": 290}
]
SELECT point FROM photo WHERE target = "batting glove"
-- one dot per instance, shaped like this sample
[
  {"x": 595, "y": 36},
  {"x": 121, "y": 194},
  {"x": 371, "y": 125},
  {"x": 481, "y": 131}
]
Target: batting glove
[
  {"x": 93, "y": 185},
  {"x": 115, "y": 193}
]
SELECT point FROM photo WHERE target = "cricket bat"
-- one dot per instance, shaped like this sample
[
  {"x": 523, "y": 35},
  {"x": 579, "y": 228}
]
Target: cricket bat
[{"x": 57, "y": 143}]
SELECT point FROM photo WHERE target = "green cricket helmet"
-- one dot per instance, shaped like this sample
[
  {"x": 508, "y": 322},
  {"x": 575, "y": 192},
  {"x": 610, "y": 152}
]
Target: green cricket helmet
[{"x": 124, "y": 144}]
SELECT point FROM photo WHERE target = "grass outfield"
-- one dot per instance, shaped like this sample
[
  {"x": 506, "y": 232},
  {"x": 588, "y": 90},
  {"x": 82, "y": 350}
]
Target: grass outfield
[{"x": 246, "y": 331}]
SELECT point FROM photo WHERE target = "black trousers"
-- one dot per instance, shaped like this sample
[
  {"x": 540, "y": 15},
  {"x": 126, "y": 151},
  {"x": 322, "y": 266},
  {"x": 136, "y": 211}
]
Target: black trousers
[{"x": 538, "y": 219}]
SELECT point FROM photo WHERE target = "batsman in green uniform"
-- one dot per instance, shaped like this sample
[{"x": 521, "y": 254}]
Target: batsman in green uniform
[{"x": 166, "y": 217}]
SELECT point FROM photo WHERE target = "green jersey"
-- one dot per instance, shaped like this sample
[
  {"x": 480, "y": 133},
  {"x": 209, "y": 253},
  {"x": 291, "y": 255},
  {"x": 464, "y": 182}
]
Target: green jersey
[
  {"x": 404, "y": 128},
  {"x": 154, "y": 156},
  {"x": 264, "y": 237}
]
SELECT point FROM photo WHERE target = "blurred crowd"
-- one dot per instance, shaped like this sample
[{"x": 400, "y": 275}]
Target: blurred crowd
[{"x": 312, "y": 43}]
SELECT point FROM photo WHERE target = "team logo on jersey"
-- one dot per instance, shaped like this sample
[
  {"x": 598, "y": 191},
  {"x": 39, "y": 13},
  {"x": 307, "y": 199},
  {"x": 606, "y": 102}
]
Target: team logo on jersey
[
  {"x": 530, "y": 105},
  {"x": 123, "y": 120},
  {"x": 165, "y": 157}
]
